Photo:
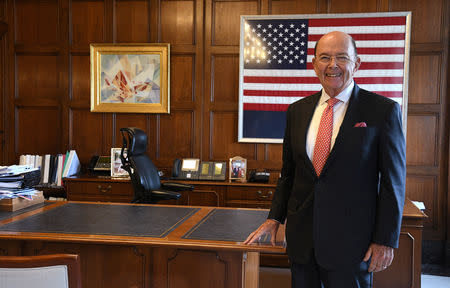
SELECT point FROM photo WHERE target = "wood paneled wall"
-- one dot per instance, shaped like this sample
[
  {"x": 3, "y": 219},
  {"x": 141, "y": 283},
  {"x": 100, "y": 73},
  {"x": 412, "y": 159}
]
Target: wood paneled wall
[{"x": 45, "y": 82}]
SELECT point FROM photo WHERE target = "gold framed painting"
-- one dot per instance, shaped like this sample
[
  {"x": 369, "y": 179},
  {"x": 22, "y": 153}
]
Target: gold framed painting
[{"x": 130, "y": 78}]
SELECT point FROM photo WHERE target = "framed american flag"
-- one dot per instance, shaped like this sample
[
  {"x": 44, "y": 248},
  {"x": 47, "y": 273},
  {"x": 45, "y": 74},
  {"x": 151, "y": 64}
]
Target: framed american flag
[{"x": 275, "y": 66}]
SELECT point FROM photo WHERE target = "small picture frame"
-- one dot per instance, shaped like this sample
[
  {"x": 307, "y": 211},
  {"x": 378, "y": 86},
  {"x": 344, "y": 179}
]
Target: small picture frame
[
  {"x": 238, "y": 169},
  {"x": 116, "y": 163}
]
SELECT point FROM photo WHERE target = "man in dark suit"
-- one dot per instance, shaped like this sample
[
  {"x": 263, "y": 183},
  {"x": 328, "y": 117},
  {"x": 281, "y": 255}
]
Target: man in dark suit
[{"x": 342, "y": 183}]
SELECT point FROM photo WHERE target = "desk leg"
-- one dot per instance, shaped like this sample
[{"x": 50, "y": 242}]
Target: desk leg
[{"x": 251, "y": 270}]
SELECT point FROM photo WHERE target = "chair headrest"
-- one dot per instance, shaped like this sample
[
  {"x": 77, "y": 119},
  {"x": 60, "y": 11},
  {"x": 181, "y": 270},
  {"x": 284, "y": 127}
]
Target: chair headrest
[{"x": 136, "y": 139}]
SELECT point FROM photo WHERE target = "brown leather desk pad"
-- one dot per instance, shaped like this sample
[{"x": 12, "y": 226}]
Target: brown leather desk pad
[
  {"x": 228, "y": 225},
  {"x": 7, "y": 214},
  {"x": 100, "y": 219}
]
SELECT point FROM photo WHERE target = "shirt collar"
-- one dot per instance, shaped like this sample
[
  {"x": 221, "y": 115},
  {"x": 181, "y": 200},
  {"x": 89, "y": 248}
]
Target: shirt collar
[{"x": 344, "y": 96}]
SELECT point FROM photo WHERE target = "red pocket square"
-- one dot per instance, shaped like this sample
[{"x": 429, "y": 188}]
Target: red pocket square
[{"x": 360, "y": 124}]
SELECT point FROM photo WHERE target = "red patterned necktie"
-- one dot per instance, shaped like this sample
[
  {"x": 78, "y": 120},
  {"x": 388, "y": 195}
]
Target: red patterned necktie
[{"x": 323, "y": 140}]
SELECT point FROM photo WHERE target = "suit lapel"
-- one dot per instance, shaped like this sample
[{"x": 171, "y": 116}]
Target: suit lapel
[
  {"x": 304, "y": 119},
  {"x": 350, "y": 118}
]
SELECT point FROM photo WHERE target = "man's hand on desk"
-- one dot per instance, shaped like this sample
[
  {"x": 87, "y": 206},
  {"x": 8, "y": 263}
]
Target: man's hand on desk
[{"x": 269, "y": 226}]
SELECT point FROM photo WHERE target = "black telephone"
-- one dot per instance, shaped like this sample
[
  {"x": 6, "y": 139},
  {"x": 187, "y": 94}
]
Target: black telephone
[
  {"x": 186, "y": 168},
  {"x": 100, "y": 165},
  {"x": 259, "y": 176}
]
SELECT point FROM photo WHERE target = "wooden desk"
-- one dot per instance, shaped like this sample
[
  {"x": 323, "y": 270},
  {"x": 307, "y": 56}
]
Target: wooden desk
[
  {"x": 406, "y": 268},
  {"x": 112, "y": 259},
  {"x": 404, "y": 272}
]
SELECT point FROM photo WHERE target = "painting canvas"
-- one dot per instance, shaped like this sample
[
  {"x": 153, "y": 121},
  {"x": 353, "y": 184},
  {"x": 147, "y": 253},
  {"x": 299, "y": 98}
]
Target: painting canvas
[{"x": 130, "y": 78}]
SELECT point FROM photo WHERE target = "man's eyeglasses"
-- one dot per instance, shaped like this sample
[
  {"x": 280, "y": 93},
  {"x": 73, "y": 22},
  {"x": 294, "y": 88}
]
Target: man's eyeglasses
[{"x": 339, "y": 59}]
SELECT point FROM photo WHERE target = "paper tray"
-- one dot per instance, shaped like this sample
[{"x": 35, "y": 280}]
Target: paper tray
[{"x": 14, "y": 204}]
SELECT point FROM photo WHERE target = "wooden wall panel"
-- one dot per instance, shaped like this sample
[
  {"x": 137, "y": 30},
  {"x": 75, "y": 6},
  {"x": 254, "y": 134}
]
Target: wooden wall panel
[
  {"x": 129, "y": 120},
  {"x": 176, "y": 135},
  {"x": 426, "y": 19},
  {"x": 226, "y": 20},
  {"x": 292, "y": 7},
  {"x": 225, "y": 67},
  {"x": 424, "y": 188},
  {"x": 274, "y": 153},
  {"x": 86, "y": 134},
  {"x": 352, "y": 6},
  {"x": 2, "y": 10},
  {"x": 36, "y": 22},
  {"x": 87, "y": 22},
  {"x": 132, "y": 21},
  {"x": 421, "y": 140},
  {"x": 80, "y": 84},
  {"x": 427, "y": 151},
  {"x": 224, "y": 137},
  {"x": 177, "y": 22},
  {"x": 35, "y": 126},
  {"x": 3, "y": 96},
  {"x": 182, "y": 79},
  {"x": 37, "y": 77},
  {"x": 424, "y": 74}
]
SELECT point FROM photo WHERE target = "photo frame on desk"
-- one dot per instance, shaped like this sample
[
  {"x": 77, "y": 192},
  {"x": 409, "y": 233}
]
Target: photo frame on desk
[
  {"x": 130, "y": 78},
  {"x": 238, "y": 169},
  {"x": 116, "y": 163}
]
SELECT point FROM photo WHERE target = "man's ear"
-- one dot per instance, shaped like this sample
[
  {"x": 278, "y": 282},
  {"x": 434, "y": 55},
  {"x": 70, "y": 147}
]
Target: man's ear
[
  {"x": 314, "y": 65},
  {"x": 357, "y": 64}
]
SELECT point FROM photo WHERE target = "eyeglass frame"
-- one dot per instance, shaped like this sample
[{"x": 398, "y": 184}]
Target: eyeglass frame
[{"x": 337, "y": 58}]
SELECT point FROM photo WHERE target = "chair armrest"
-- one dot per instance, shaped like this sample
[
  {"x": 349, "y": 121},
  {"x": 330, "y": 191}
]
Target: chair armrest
[
  {"x": 173, "y": 186},
  {"x": 165, "y": 195}
]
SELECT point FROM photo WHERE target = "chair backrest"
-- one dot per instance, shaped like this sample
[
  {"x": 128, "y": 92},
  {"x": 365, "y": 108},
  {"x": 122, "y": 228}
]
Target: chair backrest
[
  {"x": 43, "y": 271},
  {"x": 143, "y": 173}
]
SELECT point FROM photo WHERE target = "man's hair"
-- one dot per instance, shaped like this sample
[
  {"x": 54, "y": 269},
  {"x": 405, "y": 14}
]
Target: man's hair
[{"x": 352, "y": 40}]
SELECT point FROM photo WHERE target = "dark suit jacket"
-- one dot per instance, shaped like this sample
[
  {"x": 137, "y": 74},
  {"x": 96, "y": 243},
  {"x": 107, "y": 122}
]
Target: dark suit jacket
[{"x": 359, "y": 196}]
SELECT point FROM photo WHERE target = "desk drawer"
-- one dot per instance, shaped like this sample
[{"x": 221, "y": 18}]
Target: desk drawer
[
  {"x": 98, "y": 189},
  {"x": 250, "y": 193}
]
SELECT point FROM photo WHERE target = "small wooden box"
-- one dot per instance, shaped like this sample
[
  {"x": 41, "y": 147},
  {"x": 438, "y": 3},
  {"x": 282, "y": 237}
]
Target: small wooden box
[{"x": 20, "y": 203}]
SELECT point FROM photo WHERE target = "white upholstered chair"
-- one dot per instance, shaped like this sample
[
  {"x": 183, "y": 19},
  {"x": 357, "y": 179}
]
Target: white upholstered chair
[{"x": 43, "y": 271}]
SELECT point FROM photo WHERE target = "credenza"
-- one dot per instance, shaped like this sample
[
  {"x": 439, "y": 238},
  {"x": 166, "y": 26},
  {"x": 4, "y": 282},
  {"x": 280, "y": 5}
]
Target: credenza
[{"x": 205, "y": 193}]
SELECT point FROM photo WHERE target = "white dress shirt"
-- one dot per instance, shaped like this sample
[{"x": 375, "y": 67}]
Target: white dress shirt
[{"x": 339, "y": 110}]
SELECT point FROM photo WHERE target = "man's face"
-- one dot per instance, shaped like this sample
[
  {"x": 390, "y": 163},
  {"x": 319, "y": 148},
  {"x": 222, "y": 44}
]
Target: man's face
[{"x": 335, "y": 62}]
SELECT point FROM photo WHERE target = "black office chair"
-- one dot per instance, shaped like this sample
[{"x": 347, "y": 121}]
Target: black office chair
[{"x": 143, "y": 173}]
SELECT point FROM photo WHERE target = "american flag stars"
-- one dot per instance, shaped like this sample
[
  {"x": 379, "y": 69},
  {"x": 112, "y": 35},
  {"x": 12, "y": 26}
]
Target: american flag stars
[{"x": 280, "y": 45}]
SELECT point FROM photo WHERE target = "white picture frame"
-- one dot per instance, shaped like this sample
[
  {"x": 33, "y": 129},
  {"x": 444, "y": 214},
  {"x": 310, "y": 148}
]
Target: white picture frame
[{"x": 116, "y": 163}]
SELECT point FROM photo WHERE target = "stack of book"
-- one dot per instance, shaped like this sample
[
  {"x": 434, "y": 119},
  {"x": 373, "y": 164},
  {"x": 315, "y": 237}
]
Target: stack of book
[
  {"x": 53, "y": 167},
  {"x": 16, "y": 187}
]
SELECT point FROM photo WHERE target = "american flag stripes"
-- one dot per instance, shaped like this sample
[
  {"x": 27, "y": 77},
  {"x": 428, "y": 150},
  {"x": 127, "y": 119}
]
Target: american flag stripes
[{"x": 276, "y": 68}]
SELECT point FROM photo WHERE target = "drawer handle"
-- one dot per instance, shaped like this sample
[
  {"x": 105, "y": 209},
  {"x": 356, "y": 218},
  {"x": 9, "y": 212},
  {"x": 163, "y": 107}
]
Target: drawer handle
[
  {"x": 104, "y": 189},
  {"x": 261, "y": 195}
]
